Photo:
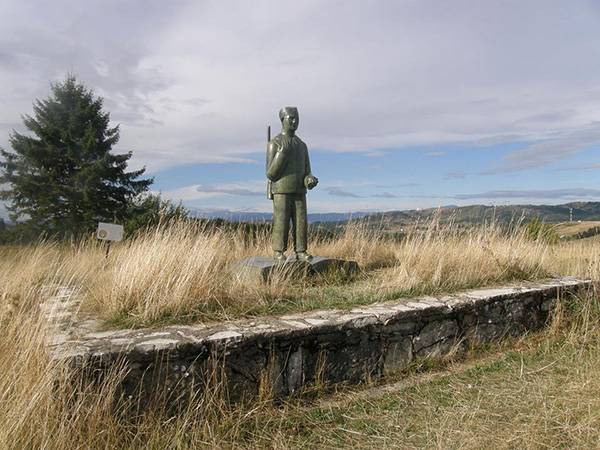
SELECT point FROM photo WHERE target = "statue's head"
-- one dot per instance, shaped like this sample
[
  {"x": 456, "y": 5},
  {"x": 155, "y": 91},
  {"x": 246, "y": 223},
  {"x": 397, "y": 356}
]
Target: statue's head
[{"x": 289, "y": 118}]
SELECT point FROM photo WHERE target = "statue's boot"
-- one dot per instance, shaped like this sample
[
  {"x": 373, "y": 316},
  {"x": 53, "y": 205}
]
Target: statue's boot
[
  {"x": 279, "y": 258},
  {"x": 303, "y": 256}
]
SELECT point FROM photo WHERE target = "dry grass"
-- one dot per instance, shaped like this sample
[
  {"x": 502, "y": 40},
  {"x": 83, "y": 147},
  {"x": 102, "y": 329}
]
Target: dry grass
[
  {"x": 179, "y": 273},
  {"x": 578, "y": 258},
  {"x": 445, "y": 258},
  {"x": 568, "y": 229},
  {"x": 541, "y": 391},
  {"x": 543, "y": 394}
]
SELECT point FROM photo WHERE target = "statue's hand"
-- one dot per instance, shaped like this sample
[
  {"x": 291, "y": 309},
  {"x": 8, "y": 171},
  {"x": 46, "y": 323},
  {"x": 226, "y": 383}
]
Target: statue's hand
[{"x": 310, "y": 181}]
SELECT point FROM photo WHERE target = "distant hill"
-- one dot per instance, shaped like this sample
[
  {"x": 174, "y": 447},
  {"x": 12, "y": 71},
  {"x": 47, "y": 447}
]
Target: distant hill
[
  {"x": 253, "y": 216},
  {"x": 584, "y": 211}
]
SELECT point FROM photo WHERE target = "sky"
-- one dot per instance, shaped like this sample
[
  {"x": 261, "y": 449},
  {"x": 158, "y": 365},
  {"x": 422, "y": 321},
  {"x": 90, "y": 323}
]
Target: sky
[{"x": 403, "y": 104}]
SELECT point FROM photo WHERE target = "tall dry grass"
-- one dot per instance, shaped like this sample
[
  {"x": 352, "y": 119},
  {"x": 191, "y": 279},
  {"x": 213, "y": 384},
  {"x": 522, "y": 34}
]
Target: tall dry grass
[
  {"x": 180, "y": 272},
  {"x": 577, "y": 258},
  {"x": 182, "y": 269},
  {"x": 45, "y": 404},
  {"x": 542, "y": 397},
  {"x": 39, "y": 407},
  {"x": 446, "y": 258}
]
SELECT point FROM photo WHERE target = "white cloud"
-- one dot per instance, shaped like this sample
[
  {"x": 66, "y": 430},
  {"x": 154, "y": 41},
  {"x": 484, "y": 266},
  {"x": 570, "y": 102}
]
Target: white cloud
[
  {"x": 199, "y": 81},
  {"x": 384, "y": 195},
  {"x": 581, "y": 167},
  {"x": 186, "y": 194},
  {"x": 457, "y": 175},
  {"x": 416, "y": 71},
  {"x": 336, "y": 191},
  {"x": 546, "y": 152},
  {"x": 255, "y": 188}
]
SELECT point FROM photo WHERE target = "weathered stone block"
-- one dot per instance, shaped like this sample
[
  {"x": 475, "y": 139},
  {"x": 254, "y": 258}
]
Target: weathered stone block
[
  {"x": 295, "y": 370},
  {"x": 487, "y": 332},
  {"x": 515, "y": 311},
  {"x": 400, "y": 328},
  {"x": 548, "y": 305},
  {"x": 398, "y": 355},
  {"x": 435, "y": 332}
]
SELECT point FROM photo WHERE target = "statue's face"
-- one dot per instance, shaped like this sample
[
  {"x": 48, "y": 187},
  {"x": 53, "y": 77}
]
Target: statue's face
[{"x": 291, "y": 121}]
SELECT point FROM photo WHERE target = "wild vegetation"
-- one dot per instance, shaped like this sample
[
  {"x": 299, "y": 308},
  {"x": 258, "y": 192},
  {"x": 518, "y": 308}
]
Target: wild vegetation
[
  {"x": 537, "y": 392},
  {"x": 178, "y": 272}
]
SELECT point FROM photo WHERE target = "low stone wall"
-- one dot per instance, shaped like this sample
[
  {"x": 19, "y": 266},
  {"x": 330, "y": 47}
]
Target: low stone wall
[{"x": 285, "y": 353}]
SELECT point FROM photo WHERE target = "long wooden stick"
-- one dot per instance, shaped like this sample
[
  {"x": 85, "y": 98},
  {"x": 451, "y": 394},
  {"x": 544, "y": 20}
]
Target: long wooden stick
[{"x": 269, "y": 189}]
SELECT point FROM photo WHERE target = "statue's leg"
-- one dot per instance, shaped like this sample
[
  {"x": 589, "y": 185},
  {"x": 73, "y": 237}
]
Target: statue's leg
[
  {"x": 300, "y": 221},
  {"x": 282, "y": 210}
]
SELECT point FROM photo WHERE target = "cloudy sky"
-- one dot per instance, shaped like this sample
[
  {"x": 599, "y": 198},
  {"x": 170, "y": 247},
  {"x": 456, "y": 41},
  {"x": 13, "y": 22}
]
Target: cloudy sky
[{"x": 403, "y": 104}]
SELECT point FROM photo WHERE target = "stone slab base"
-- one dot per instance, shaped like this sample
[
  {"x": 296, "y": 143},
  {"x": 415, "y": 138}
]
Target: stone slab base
[
  {"x": 290, "y": 351},
  {"x": 265, "y": 268}
]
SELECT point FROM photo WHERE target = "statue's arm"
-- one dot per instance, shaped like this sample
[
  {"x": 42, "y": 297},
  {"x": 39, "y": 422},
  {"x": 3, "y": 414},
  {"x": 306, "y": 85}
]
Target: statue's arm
[
  {"x": 307, "y": 170},
  {"x": 310, "y": 181},
  {"x": 276, "y": 161}
]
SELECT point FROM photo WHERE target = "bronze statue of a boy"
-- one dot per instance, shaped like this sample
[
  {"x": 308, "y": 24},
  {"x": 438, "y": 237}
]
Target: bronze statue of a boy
[{"x": 288, "y": 171}]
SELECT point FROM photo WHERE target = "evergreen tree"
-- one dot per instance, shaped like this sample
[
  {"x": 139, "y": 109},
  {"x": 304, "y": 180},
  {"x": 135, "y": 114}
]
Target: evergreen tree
[
  {"x": 65, "y": 179},
  {"x": 148, "y": 210},
  {"x": 3, "y": 238}
]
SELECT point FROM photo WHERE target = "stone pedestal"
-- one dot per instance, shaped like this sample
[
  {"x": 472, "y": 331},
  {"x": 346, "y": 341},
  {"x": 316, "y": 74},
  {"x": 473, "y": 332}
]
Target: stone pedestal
[{"x": 264, "y": 268}]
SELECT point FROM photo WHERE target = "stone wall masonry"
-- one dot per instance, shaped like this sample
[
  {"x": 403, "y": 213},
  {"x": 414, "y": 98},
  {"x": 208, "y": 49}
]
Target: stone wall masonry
[{"x": 291, "y": 351}]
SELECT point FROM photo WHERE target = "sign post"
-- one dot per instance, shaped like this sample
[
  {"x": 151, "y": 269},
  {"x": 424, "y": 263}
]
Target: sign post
[{"x": 109, "y": 232}]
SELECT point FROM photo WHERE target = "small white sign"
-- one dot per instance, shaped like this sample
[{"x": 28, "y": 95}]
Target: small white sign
[{"x": 109, "y": 232}]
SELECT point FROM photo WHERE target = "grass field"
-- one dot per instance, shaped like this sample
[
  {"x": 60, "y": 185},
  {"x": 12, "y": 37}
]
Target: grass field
[
  {"x": 569, "y": 229},
  {"x": 178, "y": 273},
  {"x": 541, "y": 391},
  {"x": 538, "y": 392}
]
